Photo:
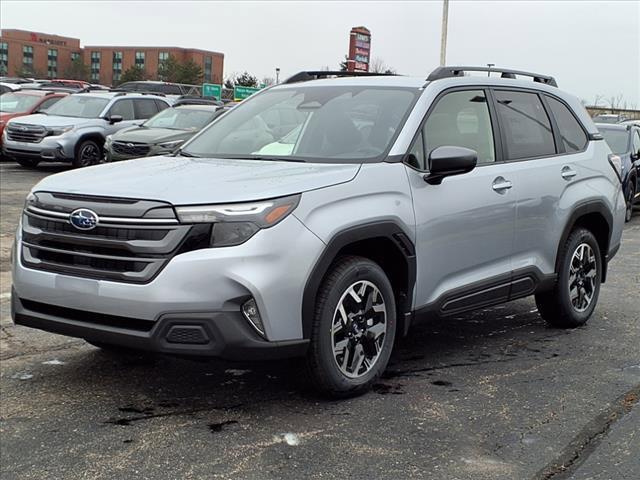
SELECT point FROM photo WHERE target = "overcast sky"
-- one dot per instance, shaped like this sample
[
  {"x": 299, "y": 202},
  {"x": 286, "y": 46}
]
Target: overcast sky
[{"x": 592, "y": 48}]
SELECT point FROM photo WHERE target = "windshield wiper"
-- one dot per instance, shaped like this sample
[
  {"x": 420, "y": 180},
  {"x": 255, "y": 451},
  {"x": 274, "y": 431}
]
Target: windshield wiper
[
  {"x": 274, "y": 158},
  {"x": 182, "y": 153}
]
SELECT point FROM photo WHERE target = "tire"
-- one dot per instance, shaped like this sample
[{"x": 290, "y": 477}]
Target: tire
[
  {"x": 27, "y": 162},
  {"x": 366, "y": 334},
  {"x": 88, "y": 153},
  {"x": 631, "y": 193},
  {"x": 575, "y": 295}
]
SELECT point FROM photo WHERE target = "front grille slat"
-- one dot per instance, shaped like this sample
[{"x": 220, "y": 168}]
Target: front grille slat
[
  {"x": 133, "y": 252},
  {"x": 130, "y": 149},
  {"x": 26, "y": 133}
]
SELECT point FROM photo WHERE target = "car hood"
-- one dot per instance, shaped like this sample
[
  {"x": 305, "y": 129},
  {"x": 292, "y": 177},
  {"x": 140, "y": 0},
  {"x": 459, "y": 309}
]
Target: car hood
[
  {"x": 4, "y": 116},
  {"x": 151, "y": 135},
  {"x": 52, "y": 120},
  {"x": 191, "y": 181}
]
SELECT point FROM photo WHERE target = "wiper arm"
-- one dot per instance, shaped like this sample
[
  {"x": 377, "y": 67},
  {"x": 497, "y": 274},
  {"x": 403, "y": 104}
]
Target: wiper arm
[
  {"x": 269, "y": 159},
  {"x": 182, "y": 153}
]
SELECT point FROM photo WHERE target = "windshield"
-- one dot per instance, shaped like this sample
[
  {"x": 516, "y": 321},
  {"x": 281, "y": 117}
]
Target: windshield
[
  {"x": 79, "y": 106},
  {"x": 181, "y": 119},
  {"x": 314, "y": 123},
  {"x": 618, "y": 140},
  {"x": 17, "y": 102}
]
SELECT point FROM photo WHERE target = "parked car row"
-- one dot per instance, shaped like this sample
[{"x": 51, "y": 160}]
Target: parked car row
[
  {"x": 82, "y": 128},
  {"x": 624, "y": 140}
]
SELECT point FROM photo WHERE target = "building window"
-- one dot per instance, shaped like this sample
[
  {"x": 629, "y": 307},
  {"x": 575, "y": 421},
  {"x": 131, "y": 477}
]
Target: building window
[
  {"x": 27, "y": 58},
  {"x": 95, "y": 66},
  {"x": 162, "y": 59},
  {"x": 52, "y": 63},
  {"x": 75, "y": 56},
  {"x": 4, "y": 58},
  {"x": 207, "y": 69},
  {"x": 117, "y": 66},
  {"x": 140, "y": 59}
]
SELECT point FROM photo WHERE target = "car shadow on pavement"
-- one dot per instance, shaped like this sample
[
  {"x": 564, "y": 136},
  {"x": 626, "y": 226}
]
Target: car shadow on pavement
[{"x": 145, "y": 386}]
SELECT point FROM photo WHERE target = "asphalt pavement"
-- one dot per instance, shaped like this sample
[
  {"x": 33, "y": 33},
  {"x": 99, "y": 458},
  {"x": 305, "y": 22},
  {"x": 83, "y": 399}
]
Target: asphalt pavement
[{"x": 493, "y": 394}]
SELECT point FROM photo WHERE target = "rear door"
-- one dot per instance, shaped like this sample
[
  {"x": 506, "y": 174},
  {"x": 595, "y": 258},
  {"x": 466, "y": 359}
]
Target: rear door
[
  {"x": 464, "y": 226},
  {"x": 547, "y": 144}
]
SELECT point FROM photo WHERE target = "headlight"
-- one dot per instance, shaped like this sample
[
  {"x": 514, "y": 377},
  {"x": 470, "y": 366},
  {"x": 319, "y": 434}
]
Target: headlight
[
  {"x": 236, "y": 223},
  {"x": 169, "y": 145},
  {"x": 56, "y": 131}
]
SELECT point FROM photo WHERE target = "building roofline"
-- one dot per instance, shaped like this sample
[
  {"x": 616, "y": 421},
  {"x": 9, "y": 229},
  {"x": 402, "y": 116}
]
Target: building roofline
[{"x": 151, "y": 47}]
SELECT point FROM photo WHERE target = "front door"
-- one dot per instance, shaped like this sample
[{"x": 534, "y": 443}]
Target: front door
[{"x": 465, "y": 226}]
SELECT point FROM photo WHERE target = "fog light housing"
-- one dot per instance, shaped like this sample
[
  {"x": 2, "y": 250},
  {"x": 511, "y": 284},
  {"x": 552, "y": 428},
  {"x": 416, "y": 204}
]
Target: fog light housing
[{"x": 251, "y": 313}]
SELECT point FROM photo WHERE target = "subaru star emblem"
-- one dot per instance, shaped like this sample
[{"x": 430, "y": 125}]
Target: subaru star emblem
[
  {"x": 23, "y": 129},
  {"x": 130, "y": 145},
  {"x": 83, "y": 219}
]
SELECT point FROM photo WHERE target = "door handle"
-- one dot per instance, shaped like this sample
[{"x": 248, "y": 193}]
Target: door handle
[
  {"x": 568, "y": 173},
  {"x": 501, "y": 185}
]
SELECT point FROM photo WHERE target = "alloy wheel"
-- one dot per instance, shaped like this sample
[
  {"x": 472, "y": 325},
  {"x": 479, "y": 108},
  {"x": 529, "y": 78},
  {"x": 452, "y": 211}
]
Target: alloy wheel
[
  {"x": 89, "y": 155},
  {"x": 358, "y": 329},
  {"x": 582, "y": 277}
]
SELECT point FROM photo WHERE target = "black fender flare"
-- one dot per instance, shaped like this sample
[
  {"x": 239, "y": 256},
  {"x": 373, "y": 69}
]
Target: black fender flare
[
  {"x": 385, "y": 229},
  {"x": 582, "y": 209}
]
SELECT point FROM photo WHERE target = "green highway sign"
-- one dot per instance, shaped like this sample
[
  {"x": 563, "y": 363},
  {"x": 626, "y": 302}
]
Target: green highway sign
[
  {"x": 212, "y": 90},
  {"x": 240, "y": 93}
]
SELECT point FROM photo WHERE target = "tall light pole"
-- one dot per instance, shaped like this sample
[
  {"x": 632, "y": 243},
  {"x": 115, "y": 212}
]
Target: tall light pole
[
  {"x": 277, "y": 75},
  {"x": 490, "y": 65},
  {"x": 443, "y": 39}
]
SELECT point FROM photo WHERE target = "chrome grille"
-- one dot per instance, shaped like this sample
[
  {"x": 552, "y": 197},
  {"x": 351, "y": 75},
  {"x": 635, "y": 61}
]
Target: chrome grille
[
  {"x": 130, "y": 149},
  {"x": 119, "y": 248},
  {"x": 20, "y": 132}
]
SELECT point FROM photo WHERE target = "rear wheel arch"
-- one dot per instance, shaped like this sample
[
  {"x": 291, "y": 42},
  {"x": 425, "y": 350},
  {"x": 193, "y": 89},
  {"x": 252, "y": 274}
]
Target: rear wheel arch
[
  {"x": 385, "y": 243},
  {"x": 595, "y": 217}
]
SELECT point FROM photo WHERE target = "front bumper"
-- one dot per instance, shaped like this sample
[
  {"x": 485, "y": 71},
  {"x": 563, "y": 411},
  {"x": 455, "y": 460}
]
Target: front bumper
[
  {"x": 200, "y": 287},
  {"x": 219, "y": 334},
  {"x": 52, "y": 149}
]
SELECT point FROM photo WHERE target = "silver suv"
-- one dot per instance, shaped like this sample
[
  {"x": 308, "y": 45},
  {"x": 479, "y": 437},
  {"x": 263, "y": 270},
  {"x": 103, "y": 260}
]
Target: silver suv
[
  {"x": 74, "y": 129},
  {"x": 394, "y": 199}
]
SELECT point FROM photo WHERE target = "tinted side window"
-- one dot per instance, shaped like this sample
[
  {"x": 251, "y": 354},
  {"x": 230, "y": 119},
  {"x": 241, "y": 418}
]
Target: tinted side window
[
  {"x": 145, "y": 108},
  {"x": 171, "y": 90},
  {"x": 526, "y": 125},
  {"x": 461, "y": 119},
  {"x": 636, "y": 142},
  {"x": 417, "y": 158},
  {"x": 124, "y": 108},
  {"x": 161, "y": 105},
  {"x": 573, "y": 137},
  {"x": 48, "y": 102}
]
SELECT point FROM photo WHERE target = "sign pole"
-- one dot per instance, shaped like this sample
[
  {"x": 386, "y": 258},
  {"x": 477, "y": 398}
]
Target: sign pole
[{"x": 443, "y": 39}]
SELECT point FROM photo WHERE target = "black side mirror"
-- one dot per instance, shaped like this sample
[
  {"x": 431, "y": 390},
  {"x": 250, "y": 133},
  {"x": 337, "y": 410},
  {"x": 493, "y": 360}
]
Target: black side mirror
[
  {"x": 446, "y": 161},
  {"x": 114, "y": 119}
]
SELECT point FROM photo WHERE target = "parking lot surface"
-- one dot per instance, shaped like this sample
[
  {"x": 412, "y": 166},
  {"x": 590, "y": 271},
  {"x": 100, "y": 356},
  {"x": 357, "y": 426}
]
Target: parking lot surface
[{"x": 493, "y": 394}]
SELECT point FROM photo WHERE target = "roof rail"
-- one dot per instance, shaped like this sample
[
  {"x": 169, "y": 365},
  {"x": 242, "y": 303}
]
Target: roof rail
[
  {"x": 306, "y": 76},
  {"x": 448, "y": 72}
]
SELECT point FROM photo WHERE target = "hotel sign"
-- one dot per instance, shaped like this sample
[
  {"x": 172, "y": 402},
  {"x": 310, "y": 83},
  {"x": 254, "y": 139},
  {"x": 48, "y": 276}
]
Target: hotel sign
[
  {"x": 48, "y": 41},
  {"x": 359, "y": 50}
]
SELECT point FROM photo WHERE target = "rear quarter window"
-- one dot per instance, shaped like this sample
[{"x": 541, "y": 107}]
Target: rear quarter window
[{"x": 571, "y": 132}]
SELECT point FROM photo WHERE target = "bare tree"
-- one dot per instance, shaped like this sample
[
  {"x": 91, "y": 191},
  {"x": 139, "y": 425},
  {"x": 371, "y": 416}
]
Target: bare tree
[
  {"x": 377, "y": 65},
  {"x": 268, "y": 81}
]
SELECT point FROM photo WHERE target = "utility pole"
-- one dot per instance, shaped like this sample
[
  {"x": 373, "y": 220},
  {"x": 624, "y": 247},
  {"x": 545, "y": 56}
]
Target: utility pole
[
  {"x": 277, "y": 75},
  {"x": 443, "y": 39}
]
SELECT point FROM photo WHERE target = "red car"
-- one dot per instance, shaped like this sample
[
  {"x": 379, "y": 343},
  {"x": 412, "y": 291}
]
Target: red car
[{"x": 25, "y": 102}]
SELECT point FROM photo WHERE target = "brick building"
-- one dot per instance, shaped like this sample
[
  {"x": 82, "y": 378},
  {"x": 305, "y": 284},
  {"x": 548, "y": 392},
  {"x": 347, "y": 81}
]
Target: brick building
[{"x": 41, "y": 54}]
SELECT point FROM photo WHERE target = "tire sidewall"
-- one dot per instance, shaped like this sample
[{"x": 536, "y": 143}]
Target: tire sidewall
[
  {"x": 629, "y": 200},
  {"x": 83, "y": 145},
  {"x": 364, "y": 270},
  {"x": 579, "y": 237}
]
